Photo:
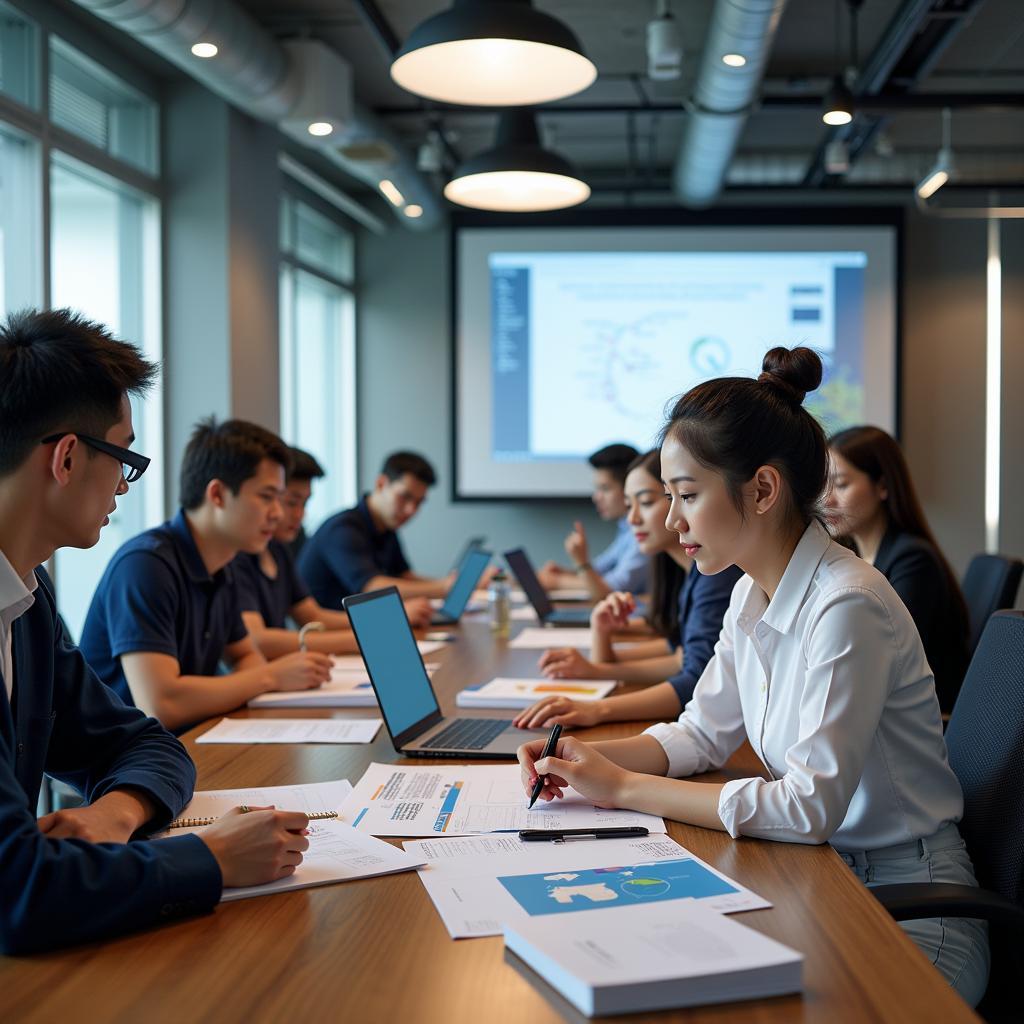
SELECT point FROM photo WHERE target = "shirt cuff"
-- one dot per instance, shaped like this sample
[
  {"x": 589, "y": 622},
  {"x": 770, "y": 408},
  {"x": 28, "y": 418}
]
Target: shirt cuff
[
  {"x": 191, "y": 880},
  {"x": 680, "y": 751}
]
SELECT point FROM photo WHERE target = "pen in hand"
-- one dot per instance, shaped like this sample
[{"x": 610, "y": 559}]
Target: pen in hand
[{"x": 549, "y": 749}]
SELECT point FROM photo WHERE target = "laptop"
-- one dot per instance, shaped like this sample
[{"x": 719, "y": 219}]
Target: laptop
[
  {"x": 523, "y": 571},
  {"x": 461, "y": 590},
  {"x": 472, "y": 545},
  {"x": 406, "y": 696}
]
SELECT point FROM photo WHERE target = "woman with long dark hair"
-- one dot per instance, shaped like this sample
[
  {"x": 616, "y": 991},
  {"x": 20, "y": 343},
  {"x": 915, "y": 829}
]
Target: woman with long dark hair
[
  {"x": 819, "y": 666},
  {"x": 871, "y": 501}
]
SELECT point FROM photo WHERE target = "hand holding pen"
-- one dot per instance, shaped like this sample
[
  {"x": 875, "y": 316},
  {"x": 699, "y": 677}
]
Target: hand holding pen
[
  {"x": 592, "y": 774},
  {"x": 549, "y": 749}
]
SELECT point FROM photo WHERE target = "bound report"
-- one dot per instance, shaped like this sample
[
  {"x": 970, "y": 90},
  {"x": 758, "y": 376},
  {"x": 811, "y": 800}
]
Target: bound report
[
  {"x": 654, "y": 957},
  {"x": 521, "y": 693}
]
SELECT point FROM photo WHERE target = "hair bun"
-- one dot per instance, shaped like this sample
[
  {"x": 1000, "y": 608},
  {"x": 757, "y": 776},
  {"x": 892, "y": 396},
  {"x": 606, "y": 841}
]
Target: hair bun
[{"x": 792, "y": 371}]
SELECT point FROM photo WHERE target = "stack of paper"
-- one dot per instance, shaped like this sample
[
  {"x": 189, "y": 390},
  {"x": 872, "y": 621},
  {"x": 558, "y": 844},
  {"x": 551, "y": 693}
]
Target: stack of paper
[
  {"x": 537, "y": 638},
  {"x": 481, "y": 883},
  {"x": 337, "y": 852},
  {"x": 653, "y": 958},
  {"x": 503, "y": 692},
  {"x": 292, "y": 730}
]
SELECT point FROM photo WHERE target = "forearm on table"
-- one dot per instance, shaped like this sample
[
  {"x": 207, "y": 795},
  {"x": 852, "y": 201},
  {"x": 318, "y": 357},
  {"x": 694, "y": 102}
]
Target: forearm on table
[{"x": 660, "y": 701}]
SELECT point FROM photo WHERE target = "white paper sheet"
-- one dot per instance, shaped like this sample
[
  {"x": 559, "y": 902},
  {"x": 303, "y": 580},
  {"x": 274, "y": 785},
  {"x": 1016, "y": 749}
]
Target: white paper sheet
[
  {"x": 503, "y": 692},
  {"x": 569, "y": 594},
  {"x": 480, "y": 883},
  {"x": 293, "y": 730},
  {"x": 347, "y": 688},
  {"x": 418, "y": 800},
  {"x": 537, "y": 638}
]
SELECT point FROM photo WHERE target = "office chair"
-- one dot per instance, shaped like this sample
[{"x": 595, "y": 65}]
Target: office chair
[
  {"x": 985, "y": 740},
  {"x": 990, "y": 583}
]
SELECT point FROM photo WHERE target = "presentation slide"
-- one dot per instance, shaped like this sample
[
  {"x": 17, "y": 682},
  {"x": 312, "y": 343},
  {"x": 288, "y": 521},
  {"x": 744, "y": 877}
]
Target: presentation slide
[{"x": 570, "y": 340}]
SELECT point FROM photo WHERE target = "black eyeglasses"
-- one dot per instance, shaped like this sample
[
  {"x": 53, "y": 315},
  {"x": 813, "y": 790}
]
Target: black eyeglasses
[{"x": 133, "y": 465}]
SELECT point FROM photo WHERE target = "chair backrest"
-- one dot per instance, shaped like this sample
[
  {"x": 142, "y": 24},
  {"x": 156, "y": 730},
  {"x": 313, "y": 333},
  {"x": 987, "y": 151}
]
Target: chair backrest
[
  {"x": 990, "y": 583},
  {"x": 985, "y": 739}
]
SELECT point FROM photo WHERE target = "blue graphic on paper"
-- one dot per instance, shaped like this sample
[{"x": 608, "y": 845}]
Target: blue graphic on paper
[{"x": 593, "y": 888}]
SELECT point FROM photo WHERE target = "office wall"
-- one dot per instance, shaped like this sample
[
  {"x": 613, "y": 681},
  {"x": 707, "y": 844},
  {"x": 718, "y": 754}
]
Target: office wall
[{"x": 405, "y": 387}]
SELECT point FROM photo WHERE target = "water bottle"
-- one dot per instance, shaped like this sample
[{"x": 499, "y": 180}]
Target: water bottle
[{"x": 499, "y": 600}]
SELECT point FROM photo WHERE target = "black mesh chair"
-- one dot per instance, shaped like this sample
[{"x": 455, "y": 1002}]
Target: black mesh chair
[
  {"x": 985, "y": 739},
  {"x": 990, "y": 583}
]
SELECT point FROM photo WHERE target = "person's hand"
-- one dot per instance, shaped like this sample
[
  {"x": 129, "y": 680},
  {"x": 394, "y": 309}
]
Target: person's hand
[
  {"x": 551, "y": 575},
  {"x": 613, "y": 612},
  {"x": 419, "y": 610},
  {"x": 575, "y": 764},
  {"x": 301, "y": 670},
  {"x": 555, "y": 710},
  {"x": 567, "y": 663},
  {"x": 257, "y": 846},
  {"x": 104, "y": 821},
  {"x": 576, "y": 545}
]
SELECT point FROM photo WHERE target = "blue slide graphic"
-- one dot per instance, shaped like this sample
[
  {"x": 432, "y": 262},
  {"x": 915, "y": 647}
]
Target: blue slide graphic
[{"x": 594, "y": 888}]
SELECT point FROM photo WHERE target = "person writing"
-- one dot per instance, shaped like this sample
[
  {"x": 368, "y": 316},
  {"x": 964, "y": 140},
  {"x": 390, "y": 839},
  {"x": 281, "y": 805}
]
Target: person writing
[
  {"x": 818, "y": 665},
  {"x": 72, "y": 876},
  {"x": 686, "y": 608},
  {"x": 166, "y": 613},
  {"x": 871, "y": 500}
]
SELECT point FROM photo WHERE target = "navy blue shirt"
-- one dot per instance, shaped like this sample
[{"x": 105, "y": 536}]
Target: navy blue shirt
[
  {"x": 272, "y": 598},
  {"x": 703, "y": 601},
  {"x": 64, "y": 721},
  {"x": 346, "y": 553},
  {"x": 156, "y": 596}
]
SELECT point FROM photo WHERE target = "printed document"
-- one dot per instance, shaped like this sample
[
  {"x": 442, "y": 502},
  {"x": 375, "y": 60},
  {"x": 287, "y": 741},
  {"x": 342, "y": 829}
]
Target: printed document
[{"x": 293, "y": 730}]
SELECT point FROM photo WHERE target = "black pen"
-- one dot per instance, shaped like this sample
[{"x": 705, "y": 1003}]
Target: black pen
[
  {"x": 565, "y": 835},
  {"x": 549, "y": 749}
]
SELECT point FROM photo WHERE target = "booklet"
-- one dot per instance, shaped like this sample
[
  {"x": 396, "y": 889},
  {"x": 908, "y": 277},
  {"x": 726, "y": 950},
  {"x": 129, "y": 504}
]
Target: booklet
[
  {"x": 504, "y": 692},
  {"x": 480, "y": 883},
  {"x": 653, "y": 958}
]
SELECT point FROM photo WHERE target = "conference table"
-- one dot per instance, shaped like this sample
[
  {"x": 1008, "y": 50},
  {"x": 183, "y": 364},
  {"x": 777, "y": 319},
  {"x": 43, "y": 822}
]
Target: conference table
[{"x": 376, "y": 950}]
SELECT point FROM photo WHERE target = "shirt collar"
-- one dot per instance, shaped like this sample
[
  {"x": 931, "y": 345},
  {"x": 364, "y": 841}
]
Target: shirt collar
[
  {"x": 780, "y": 613},
  {"x": 194, "y": 564},
  {"x": 16, "y": 592}
]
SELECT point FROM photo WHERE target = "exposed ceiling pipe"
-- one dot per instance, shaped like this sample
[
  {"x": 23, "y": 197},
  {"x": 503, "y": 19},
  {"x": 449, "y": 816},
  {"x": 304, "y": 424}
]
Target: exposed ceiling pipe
[
  {"x": 254, "y": 72},
  {"x": 723, "y": 95}
]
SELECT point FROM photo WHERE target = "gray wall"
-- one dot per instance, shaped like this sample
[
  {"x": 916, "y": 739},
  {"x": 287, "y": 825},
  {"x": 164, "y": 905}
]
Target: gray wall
[{"x": 405, "y": 388}]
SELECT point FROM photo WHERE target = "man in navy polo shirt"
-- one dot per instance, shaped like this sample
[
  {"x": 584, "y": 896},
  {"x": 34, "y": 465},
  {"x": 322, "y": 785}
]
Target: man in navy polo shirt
[
  {"x": 73, "y": 876},
  {"x": 359, "y": 549},
  {"x": 166, "y": 611}
]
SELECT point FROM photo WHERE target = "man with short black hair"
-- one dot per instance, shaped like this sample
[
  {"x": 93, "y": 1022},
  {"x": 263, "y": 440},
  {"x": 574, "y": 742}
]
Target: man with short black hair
[
  {"x": 166, "y": 611},
  {"x": 359, "y": 549},
  {"x": 72, "y": 876},
  {"x": 621, "y": 566}
]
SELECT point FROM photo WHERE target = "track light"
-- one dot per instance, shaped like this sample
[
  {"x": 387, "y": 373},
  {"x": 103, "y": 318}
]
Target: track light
[
  {"x": 493, "y": 53},
  {"x": 204, "y": 50},
  {"x": 518, "y": 175},
  {"x": 944, "y": 167},
  {"x": 838, "y": 108},
  {"x": 664, "y": 45}
]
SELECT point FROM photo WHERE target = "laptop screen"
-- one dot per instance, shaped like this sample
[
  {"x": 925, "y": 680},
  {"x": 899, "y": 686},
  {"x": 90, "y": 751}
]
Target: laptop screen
[
  {"x": 462, "y": 589},
  {"x": 392, "y": 659},
  {"x": 535, "y": 593}
]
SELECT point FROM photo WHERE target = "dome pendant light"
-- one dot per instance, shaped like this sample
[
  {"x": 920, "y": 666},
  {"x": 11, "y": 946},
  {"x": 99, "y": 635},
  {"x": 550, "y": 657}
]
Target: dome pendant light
[
  {"x": 493, "y": 53},
  {"x": 518, "y": 175}
]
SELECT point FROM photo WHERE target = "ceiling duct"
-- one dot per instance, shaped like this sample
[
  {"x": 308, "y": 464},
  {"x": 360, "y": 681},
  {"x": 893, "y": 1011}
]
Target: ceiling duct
[
  {"x": 723, "y": 95},
  {"x": 266, "y": 79}
]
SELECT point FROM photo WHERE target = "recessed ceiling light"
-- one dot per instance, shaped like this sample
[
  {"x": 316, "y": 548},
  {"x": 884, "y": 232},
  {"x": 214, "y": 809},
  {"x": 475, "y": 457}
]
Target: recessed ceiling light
[
  {"x": 413, "y": 210},
  {"x": 320, "y": 128},
  {"x": 204, "y": 50},
  {"x": 734, "y": 60}
]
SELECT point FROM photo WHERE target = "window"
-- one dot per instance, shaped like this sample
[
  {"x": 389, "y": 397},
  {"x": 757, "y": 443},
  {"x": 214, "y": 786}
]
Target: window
[
  {"x": 318, "y": 352},
  {"x": 19, "y": 57},
  {"x": 104, "y": 256},
  {"x": 20, "y": 223}
]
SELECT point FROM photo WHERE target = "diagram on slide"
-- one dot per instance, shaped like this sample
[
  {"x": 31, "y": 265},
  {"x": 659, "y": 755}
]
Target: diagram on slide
[{"x": 594, "y": 888}]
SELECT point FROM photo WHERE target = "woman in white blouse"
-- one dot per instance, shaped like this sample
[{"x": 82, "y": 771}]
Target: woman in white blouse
[{"x": 818, "y": 665}]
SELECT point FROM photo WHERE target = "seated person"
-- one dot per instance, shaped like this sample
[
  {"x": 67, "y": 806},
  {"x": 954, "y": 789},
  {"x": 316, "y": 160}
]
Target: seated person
[
  {"x": 166, "y": 612},
  {"x": 72, "y": 876},
  {"x": 622, "y": 565},
  {"x": 686, "y": 609},
  {"x": 872, "y": 502},
  {"x": 270, "y": 590},
  {"x": 359, "y": 550}
]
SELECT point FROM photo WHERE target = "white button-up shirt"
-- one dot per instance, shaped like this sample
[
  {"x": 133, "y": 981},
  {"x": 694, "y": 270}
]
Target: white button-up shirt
[
  {"x": 830, "y": 684},
  {"x": 16, "y": 597}
]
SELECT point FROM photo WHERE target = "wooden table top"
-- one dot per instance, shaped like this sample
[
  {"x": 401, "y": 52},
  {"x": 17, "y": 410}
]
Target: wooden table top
[{"x": 376, "y": 950}]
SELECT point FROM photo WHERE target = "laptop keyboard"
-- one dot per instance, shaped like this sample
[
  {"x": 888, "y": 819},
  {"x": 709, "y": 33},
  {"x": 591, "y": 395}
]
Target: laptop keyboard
[{"x": 467, "y": 733}]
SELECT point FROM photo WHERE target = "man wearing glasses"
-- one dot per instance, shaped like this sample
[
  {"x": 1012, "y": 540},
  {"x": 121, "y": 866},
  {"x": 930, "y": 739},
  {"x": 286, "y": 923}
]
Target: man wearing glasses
[{"x": 73, "y": 876}]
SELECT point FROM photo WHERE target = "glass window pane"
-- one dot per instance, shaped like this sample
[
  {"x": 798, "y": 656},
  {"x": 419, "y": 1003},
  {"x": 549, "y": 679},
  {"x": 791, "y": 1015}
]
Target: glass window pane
[
  {"x": 318, "y": 384},
  {"x": 321, "y": 244},
  {"x": 99, "y": 107},
  {"x": 105, "y": 264},
  {"x": 20, "y": 223},
  {"x": 19, "y": 57}
]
